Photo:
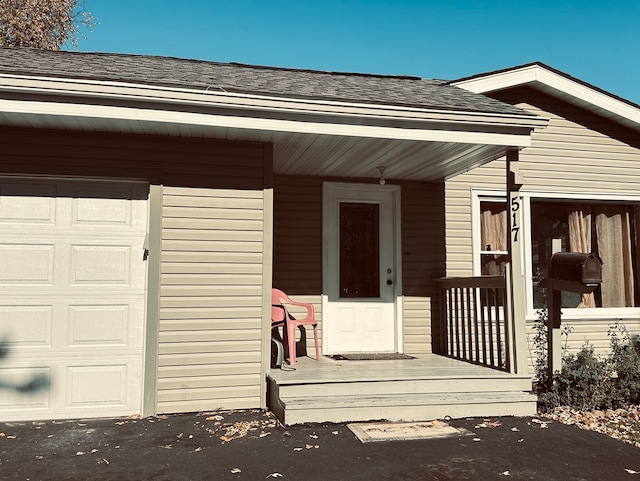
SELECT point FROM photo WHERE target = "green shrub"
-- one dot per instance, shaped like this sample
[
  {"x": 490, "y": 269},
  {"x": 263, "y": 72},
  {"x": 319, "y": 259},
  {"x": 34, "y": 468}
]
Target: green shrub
[
  {"x": 583, "y": 382},
  {"x": 587, "y": 381},
  {"x": 625, "y": 363}
]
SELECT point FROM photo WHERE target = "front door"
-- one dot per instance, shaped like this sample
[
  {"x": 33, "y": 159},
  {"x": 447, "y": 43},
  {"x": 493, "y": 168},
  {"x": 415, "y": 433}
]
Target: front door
[{"x": 360, "y": 268}]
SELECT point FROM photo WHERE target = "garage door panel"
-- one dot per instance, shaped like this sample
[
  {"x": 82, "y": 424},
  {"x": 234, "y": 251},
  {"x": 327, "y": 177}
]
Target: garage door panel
[
  {"x": 28, "y": 202},
  {"x": 27, "y": 326},
  {"x": 94, "y": 387},
  {"x": 100, "y": 325},
  {"x": 72, "y": 295},
  {"x": 27, "y": 264},
  {"x": 11, "y": 399},
  {"x": 101, "y": 264}
]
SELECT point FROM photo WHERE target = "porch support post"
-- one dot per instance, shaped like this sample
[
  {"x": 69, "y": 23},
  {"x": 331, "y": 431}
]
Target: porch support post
[{"x": 515, "y": 272}]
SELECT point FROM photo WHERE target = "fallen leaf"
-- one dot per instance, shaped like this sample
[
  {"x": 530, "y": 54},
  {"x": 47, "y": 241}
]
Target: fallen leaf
[
  {"x": 120, "y": 423},
  {"x": 515, "y": 430},
  {"x": 80, "y": 453},
  {"x": 262, "y": 435},
  {"x": 335, "y": 433},
  {"x": 506, "y": 473},
  {"x": 297, "y": 449},
  {"x": 39, "y": 457},
  {"x": 481, "y": 425},
  {"x": 275, "y": 475},
  {"x": 198, "y": 449},
  {"x": 214, "y": 418},
  {"x": 225, "y": 439},
  {"x": 313, "y": 436},
  {"x": 236, "y": 471},
  {"x": 521, "y": 440},
  {"x": 11, "y": 437},
  {"x": 477, "y": 440},
  {"x": 631, "y": 471},
  {"x": 105, "y": 461},
  {"x": 94, "y": 451}
]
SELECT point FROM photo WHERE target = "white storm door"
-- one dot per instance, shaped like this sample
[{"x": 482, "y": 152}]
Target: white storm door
[{"x": 360, "y": 268}]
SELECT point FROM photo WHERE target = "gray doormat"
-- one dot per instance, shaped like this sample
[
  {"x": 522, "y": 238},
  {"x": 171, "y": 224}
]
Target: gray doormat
[
  {"x": 372, "y": 432},
  {"x": 382, "y": 356}
]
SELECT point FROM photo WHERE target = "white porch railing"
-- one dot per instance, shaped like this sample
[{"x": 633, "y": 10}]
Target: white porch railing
[{"x": 473, "y": 324}]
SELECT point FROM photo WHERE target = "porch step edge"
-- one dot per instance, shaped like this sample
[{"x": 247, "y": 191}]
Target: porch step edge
[
  {"x": 404, "y": 407},
  {"x": 407, "y": 386}
]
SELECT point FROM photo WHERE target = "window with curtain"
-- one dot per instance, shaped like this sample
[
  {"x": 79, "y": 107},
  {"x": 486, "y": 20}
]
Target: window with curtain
[
  {"x": 609, "y": 229},
  {"x": 493, "y": 237}
]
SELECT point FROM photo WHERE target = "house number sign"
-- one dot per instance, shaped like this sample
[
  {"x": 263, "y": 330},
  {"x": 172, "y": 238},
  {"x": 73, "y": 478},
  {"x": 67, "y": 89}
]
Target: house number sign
[{"x": 515, "y": 217}]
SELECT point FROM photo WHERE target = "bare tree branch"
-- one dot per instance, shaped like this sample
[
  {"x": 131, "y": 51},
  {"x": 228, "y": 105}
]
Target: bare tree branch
[{"x": 45, "y": 24}]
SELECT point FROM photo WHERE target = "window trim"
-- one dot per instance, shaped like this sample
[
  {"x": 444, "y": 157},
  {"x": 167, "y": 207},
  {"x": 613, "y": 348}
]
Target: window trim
[{"x": 482, "y": 195}]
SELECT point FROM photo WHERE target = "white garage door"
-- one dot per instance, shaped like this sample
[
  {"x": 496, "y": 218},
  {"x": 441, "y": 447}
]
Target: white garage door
[{"x": 72, "y": 296}]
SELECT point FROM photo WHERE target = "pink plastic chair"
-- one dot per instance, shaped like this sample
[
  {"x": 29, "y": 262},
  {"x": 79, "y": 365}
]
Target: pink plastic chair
[{"x": 280, "y": 315}]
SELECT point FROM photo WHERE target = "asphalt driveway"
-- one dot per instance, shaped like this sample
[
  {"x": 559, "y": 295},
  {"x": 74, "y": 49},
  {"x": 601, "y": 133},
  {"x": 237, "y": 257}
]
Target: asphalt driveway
[{"x": 251, "y": 445}]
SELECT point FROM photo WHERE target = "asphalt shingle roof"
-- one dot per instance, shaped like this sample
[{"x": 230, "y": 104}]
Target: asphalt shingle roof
[{"x": 249, "y": 79}]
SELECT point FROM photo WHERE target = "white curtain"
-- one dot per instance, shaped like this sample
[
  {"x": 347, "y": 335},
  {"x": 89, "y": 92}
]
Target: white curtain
[
  {"x": 580, "y": 240},
  {"x": 613, "y": 231}
]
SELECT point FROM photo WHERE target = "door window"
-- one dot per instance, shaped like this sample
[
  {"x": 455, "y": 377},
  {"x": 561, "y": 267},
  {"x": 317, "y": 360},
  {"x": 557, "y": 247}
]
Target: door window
[{"x": 359, "y": 250}]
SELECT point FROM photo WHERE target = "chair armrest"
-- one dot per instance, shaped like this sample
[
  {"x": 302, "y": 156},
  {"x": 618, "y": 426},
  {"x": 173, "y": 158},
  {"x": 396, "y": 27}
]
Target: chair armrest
[{"x": 309, "y": 307}]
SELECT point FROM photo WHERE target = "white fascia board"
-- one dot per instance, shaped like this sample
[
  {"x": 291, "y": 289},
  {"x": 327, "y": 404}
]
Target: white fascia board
[
  {"x": 537, "y": 74},
  {"x": 128, "y": 114},
  {"x": 265, "y": 103}
]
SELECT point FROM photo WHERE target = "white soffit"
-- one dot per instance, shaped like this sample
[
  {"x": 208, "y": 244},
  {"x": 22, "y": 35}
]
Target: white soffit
[{"x": 560, "y": 86}]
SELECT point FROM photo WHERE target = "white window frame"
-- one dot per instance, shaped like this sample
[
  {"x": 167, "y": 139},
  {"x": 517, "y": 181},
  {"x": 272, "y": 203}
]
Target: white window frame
[{"x": 595, "y": 313}]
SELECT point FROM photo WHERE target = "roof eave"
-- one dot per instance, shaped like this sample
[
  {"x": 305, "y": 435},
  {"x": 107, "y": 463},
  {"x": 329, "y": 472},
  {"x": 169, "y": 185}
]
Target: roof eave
[
  {"x": 558, "y": 84},
  {"x": 361, "y": 119}
]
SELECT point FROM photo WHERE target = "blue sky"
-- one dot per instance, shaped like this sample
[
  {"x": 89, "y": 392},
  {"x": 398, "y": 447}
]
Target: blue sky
[{"x": 597, "y": 42}]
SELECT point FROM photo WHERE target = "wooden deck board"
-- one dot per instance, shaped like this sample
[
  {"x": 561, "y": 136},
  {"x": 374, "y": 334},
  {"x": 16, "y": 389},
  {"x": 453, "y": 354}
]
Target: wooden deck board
[{"x": 426, "y": 366}]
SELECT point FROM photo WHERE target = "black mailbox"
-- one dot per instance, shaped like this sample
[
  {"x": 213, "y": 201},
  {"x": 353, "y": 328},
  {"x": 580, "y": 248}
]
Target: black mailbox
[{"x": 585, "y": 269}]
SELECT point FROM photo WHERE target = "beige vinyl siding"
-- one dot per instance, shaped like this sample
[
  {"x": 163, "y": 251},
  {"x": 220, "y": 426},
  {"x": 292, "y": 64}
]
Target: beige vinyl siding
[
  {"x": 209, "y": 329},
  {"x": 211, "y": 299},
  {"x": 577, "y": 153}
]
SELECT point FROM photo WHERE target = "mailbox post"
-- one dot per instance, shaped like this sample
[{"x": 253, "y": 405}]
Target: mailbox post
[{"x": 572, "y": 272}]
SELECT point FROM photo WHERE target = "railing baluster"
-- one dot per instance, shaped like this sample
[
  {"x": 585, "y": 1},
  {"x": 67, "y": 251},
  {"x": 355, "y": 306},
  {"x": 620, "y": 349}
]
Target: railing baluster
[
  {"x": 470, "y": 307},
  {"x": 498, "y": 330},
  {"x": 476, "y": 342}
]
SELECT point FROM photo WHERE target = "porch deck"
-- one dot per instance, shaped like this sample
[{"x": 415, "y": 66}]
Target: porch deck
[{"x": 427, "y": 387}]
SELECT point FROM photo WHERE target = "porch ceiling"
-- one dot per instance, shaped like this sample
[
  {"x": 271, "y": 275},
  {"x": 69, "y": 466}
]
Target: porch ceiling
[
  {"x": 298, "y": 153},
  {"x": 360, "y": 157}
]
